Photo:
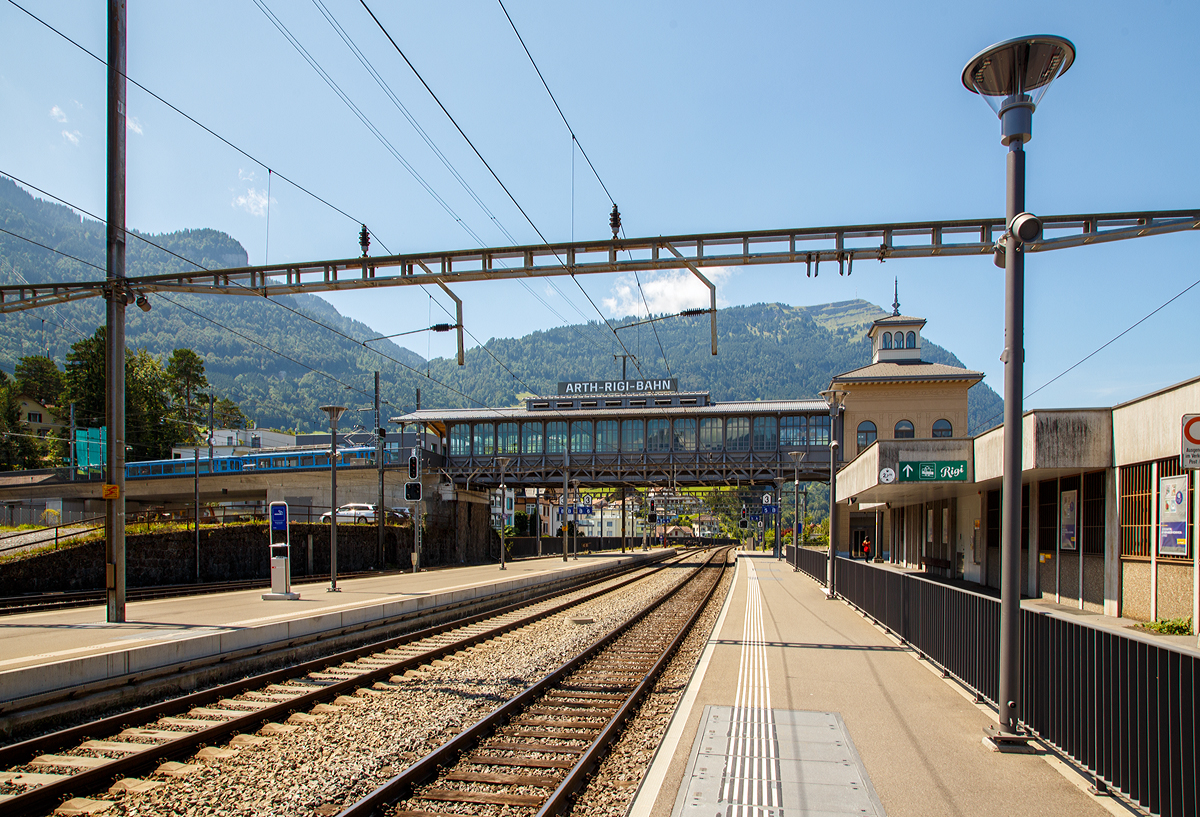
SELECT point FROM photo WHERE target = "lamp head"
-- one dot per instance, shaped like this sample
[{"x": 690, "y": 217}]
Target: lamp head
[
  {"x": 835, "y": 398},
  {"x": 335, "y": 412},
  {"x": 1014, "y": 75}
]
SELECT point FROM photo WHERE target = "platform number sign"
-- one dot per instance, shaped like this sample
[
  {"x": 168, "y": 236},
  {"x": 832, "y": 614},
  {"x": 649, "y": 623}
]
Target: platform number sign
[{"x": 1189, "y": 449}]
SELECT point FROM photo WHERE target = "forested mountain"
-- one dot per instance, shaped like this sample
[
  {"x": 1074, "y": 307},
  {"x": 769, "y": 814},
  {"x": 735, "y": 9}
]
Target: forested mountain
[{"x": 767, "y": 351}]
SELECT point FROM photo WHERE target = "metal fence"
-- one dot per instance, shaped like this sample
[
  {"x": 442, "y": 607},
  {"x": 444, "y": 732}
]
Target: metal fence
[
  {"x": 809, "y": 561},
  {"x": 1121, "y": 706}
]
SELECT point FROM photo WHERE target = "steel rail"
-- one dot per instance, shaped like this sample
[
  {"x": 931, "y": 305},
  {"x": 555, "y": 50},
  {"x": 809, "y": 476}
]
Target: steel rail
[
  {"x": 806, "y": 245},
  {"x": 90, "y": 779},
  {"x": 420, "y": 772}
]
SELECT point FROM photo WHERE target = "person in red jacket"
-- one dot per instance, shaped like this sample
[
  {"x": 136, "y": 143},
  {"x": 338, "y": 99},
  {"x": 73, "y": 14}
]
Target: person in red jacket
[{"x": 866, "y": 546}]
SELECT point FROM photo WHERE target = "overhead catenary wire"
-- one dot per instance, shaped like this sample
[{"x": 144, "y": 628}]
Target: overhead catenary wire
[
  {"x": 477, "y": 153},
  {"x": 270, "y": 171},
  {"x": 269, "y": 300},
  {"x": 987, "y": 423},
  {"x": 191, "y": 119},
  {"x": 576, "y": 143},
  {"x": 387, "y": 144}
]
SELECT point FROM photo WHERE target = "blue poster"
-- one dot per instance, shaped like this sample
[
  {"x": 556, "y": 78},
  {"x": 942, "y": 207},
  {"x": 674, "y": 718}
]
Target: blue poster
[{"x": 279, "y": 520}]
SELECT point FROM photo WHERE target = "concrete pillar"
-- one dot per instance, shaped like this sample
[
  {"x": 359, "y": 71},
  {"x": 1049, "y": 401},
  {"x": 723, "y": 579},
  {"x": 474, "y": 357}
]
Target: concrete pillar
[
  {"x": 1154, "y": 541},
  {"x": 1033, "y": 585},
  {"x": 1112, "y": 542}
]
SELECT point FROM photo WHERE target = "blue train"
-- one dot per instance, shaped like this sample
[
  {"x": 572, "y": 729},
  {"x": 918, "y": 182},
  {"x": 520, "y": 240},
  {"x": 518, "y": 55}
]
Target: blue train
[{"x": 273, "y": 460}]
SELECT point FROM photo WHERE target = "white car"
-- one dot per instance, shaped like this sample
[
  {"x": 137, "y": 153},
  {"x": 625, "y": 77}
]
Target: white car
[{"x": 353, "y": 512}]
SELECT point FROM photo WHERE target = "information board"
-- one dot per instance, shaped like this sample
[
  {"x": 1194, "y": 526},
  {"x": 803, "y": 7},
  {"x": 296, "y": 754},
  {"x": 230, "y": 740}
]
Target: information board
[
  {"x": 933, "y": 471},
  {"x": 1172, "y": 516}
]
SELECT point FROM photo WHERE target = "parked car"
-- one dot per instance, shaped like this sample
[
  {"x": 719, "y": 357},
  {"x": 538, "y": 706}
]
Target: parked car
[
  {"x": 360, "y": 512},
  {"x": 352, "y": 512}
]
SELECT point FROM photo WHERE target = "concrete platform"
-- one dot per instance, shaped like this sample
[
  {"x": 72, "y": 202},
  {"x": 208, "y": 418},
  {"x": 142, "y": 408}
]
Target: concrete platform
[
  {"x": 44, "y": 652},
  {"x": 800, "y": 706}
]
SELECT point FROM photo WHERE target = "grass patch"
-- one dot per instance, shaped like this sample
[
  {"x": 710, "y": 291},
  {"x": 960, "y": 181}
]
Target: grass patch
[{"x": 1169, "y": 626}]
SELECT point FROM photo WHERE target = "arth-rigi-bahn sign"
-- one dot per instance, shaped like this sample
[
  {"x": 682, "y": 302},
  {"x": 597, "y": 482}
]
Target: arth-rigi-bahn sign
[
  {"x": 933, "y": 471},
  {"x": 617, "y": 386}
]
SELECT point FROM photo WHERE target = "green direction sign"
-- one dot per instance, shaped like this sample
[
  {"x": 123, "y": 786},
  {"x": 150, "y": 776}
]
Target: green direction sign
[{"x": 933, "y": 471}]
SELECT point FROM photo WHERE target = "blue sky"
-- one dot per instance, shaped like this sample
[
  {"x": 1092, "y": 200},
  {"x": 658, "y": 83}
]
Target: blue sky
[{"x": 698, "y": 116}]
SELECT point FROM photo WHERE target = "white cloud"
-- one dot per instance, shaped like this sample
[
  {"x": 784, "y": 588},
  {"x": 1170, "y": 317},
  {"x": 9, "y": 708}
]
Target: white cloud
[
  {"x": 245, "y": 175},
  {"x": 665, "y": 292},
  {"x": 56, "y": 113},
  {"x": 71, "y": 136},
  {"x": 253, "y": 201},
  {"x": 132, "y": 123}
]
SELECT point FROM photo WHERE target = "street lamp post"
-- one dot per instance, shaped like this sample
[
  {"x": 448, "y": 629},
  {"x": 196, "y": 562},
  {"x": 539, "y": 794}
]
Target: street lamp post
[
  {"x": 503, "y": 462},
  {"x": 335, "y": 413},
  {"x": 835, "y": 398},
  {"x": 1012, "y": 77}
]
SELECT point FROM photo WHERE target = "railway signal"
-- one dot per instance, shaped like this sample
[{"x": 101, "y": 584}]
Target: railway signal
[{"x": 412, "y": 492}]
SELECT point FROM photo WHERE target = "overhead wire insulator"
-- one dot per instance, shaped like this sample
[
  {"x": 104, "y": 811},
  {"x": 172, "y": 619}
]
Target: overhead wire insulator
[
  {"x": 443, "y": 327},
  {"x": 364, "y": 239},
  {"x": 614, "y": 221}
]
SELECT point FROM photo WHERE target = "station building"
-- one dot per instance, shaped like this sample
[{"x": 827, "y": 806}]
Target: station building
[{"x": 1108, "y": 514}]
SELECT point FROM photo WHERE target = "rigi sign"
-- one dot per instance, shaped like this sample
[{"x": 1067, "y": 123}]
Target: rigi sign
[
  {"x": 933, "y": 471},
  {"x": 617, "y": 386}
]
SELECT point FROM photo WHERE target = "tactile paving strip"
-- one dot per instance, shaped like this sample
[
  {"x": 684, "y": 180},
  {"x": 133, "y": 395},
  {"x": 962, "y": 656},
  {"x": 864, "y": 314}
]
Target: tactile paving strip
[{"x": 808, "y": 767}]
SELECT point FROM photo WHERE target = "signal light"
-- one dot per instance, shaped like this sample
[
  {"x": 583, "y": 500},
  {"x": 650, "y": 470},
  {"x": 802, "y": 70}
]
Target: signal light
[
  {"x": 412, "y": 467},
  {"x": 412, "y": 492}
]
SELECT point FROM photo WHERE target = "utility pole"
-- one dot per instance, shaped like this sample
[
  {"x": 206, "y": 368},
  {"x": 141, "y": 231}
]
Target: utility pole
[
  {"x": 196, "y": 497},
  {"x": 114, "y": 491},
  {"x": 71, "y": 444},
  {"x": 211, "y": 430},
  {"x": 419, "y": 511},
  {"x": 624, "y": 358},
  {"x": 381, "y": 511},
  {"x": 563, "y": 500}
]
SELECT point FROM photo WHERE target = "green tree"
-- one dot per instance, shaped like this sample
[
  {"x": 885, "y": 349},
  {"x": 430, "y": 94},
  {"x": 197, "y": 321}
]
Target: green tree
[
  {"x": 185, "y": 374},
  {"x": 84, "y": 379},
  {"x": 227, "y": 414},
  {"x": 19, "y": 449},
  {"x": 152, "y": 425},
  {"x": 40, "y": 378}
]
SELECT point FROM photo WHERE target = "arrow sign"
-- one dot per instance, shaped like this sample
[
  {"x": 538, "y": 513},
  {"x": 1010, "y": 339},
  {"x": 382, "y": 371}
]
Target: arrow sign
[{"x": 907, "y": 470}]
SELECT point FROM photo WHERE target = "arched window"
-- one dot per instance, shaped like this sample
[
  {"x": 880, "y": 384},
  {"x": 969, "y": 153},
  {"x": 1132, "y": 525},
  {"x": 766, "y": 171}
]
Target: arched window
[
  {"x": 942, "y": 428},
  {"x": 912, "y": 340},
  {"x": 904, "y": 430},
  {"x": 866, "y": 434},
  {"x": 887, "y": 340}
]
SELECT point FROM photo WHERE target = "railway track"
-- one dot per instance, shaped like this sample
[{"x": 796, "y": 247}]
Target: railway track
[
  {"x": 533, "y": 753},
  {"x": 43, "y": 772}
]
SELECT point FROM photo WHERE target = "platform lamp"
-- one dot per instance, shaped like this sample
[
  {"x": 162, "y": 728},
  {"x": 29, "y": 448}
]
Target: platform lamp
[
  {"x": 798, "y": 523},
  {"x": 335, "y": 413},
  {"x": 503, "y": 463},
  {"x": 835, "y": 399},
  {"x": 1012, "y": 77}
]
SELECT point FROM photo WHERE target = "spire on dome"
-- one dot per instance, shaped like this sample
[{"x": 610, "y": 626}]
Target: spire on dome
[{"x": 896, "y": 301}]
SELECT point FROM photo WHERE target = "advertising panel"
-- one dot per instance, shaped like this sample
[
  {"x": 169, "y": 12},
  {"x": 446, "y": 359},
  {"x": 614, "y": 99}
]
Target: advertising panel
[
  {"x": 1172, "y": 516},
  {"x": 1068, "y": 510}
]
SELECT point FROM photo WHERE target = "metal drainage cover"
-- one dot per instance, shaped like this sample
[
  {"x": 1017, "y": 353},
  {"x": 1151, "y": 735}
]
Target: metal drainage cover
[{"x": 786, "y": 763}]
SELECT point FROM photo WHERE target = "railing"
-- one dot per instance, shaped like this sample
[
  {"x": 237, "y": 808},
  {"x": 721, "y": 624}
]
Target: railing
[
  {"x": 810, "y": 561},
  {"x": 1121, "y": 706}
]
